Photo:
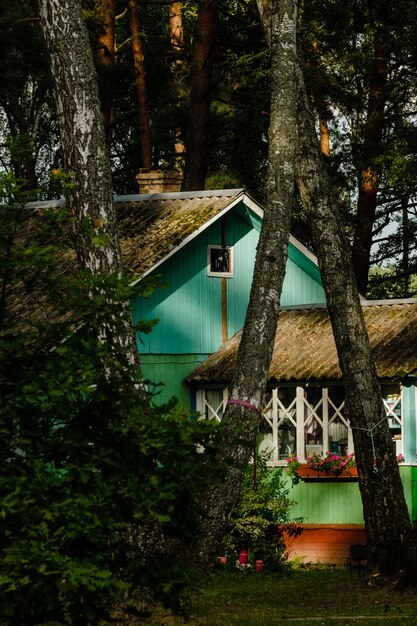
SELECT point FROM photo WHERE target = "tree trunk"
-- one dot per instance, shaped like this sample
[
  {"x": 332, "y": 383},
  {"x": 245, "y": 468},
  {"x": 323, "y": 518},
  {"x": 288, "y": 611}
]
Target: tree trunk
[
  {"x": 386, "y": 516},
  {"x": 90, "y": 198},
  {"x": 106, "y": 56},
  {"x": 176, "y": 36},
  {"x": 176, "y": 31},
  {"x": 247, "y": 390},
  {"x": 324, "y": 136},
  {"x": 141, "y": 91},
  {"x": 405, "y": 240},
  {"x": 201, "y": 85},
  {"x": 368, "y": 174}
]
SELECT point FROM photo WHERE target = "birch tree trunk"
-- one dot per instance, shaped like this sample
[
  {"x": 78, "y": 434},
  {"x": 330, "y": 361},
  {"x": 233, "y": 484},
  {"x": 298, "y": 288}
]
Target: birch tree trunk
[
  {"x": 247, "y": 391},
  {"x": 90, "y": 199},
  {"x": 390, "y": 536}
]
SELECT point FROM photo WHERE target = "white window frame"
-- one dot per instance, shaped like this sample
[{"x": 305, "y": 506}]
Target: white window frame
[{"x": 230, "y": 250}]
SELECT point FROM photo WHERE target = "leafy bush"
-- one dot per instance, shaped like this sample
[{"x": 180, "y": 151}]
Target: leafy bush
[
  {"x": 262, "y": 517},
  {"x": 97, "y": 484}
]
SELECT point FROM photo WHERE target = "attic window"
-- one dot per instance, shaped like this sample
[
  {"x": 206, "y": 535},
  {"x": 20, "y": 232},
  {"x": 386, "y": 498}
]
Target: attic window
[{"x": 220, "y": 261}]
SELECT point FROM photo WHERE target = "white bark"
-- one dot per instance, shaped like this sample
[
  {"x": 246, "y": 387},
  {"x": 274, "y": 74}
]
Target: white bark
[
  {"x": 241, "y": 422},
  {"x": 82, "y": 134},
  {"x": 90, "y": 198},
  {"x": 390, "y": 536}
]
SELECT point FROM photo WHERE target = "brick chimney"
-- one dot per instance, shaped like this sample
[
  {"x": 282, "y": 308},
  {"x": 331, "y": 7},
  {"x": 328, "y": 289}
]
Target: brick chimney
[{"x": 158, "y": 181}]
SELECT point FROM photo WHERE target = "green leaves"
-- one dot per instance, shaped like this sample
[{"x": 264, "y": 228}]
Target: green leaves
[
  {"x": 261, "y": 517},
  {"x": 86, "y": 462}
]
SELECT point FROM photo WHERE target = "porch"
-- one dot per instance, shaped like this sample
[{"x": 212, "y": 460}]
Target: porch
[{"x": 307, "y": 419}]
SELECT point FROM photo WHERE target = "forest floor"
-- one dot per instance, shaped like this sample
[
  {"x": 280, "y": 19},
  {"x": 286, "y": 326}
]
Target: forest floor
[{"x": 324, "y": 596}]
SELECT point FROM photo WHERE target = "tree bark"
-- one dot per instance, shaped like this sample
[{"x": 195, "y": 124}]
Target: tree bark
[
  {"x": 406, "y": 239},
  {"x": 106, "y": 55},
  {"x": 196, "y": 156},
  {"x": 388, "y": 527},
  {"x": 324, "y": 136},
  {"x": 368, "y": 174},
  {"x": 176, "y": 30},
  {"x": 141, "y": 91},
  {"x": 247, "y": 390},
  {"x": 90, "y": 198},
  {"x": 176, "y": 36}
]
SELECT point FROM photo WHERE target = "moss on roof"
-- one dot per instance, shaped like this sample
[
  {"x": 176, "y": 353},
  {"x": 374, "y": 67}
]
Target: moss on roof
[{"x": 305, "y": 350}]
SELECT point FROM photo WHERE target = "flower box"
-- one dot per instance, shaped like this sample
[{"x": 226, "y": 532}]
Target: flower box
[{"x": 306, "y": 473}]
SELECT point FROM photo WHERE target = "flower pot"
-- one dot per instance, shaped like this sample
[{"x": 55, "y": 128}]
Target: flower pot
[
  {"x": 306, "y": 473},
  {"x": 243, "y": 557}
]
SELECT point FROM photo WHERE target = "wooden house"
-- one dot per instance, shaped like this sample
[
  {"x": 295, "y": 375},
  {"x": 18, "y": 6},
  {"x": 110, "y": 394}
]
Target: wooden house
[
  {"x": 203, "y": 245},
  {"x": 304, "y": 414}
]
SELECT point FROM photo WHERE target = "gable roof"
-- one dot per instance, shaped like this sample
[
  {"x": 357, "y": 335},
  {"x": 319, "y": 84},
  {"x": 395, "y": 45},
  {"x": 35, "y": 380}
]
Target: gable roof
[
  {"x": 150, "y": 228},
  {"x": 153, "y": 227},
  {"x": 305, "y": 350}
]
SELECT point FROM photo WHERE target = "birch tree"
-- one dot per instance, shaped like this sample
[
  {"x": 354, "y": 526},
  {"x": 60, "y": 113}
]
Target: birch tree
[
  {"x": 390, "y": 536},
  {"x": 247, "y": 390},
  {"x": 90, "y": 196}
]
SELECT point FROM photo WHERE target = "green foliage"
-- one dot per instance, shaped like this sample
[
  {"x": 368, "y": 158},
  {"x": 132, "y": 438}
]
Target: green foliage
[
  {"x": 291, "y": 470},
  {"x": 97, "y": 483},
  {"x": 261, "y": 517}
]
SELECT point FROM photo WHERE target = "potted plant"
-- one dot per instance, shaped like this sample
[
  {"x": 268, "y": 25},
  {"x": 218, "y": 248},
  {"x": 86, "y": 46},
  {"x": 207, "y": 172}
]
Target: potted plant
[
  {"x": 334, "y": 463},
  {"x": 293, "y": 465},
  {"x": 318, "y": 467}
]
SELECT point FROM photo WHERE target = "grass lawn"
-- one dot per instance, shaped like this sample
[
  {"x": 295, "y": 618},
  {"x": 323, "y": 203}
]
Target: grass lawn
[{"x": 327, "y": 597}]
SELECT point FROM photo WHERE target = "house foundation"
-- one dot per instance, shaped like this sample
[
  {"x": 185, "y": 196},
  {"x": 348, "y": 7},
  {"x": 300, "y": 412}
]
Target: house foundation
[{"x": 325, "y": 543}]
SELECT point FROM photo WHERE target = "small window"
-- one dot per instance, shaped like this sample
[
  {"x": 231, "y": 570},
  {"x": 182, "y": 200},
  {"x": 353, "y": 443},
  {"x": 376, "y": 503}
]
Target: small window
[{"x": 220, "y": 261}]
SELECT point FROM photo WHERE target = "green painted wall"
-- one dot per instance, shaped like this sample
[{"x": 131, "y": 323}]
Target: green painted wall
[
  {"x": 409, "y": 424},
  {"x": 340, "y": 502},
  {"x": 414, "y": 494},
  {"x": 189, "y": 309},
  {"x": 327, "y": 502},
  {"x": 170, "y": 369},
  {"x": 302, "y": 284}
]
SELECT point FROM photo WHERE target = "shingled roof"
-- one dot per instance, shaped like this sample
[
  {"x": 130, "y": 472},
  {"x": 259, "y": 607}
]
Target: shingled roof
[
  {"x": 305, "y": 350},
  {"x": 154, "y": 226},
  {"x": 151, "y": 227}
]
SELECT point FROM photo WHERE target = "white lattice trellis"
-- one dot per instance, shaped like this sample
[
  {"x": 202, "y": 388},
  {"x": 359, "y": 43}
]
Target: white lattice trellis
[{"x": 297, "y": 416}]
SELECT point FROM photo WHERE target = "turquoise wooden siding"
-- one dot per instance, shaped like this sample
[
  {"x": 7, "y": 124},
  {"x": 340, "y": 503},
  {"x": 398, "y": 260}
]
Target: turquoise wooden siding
[
  {"x": 300, "y": 259},
  {"x": 340, "y": 502},
  {"x": 302, "y": 284},
  {"x": 409, "y": 422},
  {"x": 189, "y": 309},
  {"x": 414, "y": 494},
  {"x": 170, "y": 370}
]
